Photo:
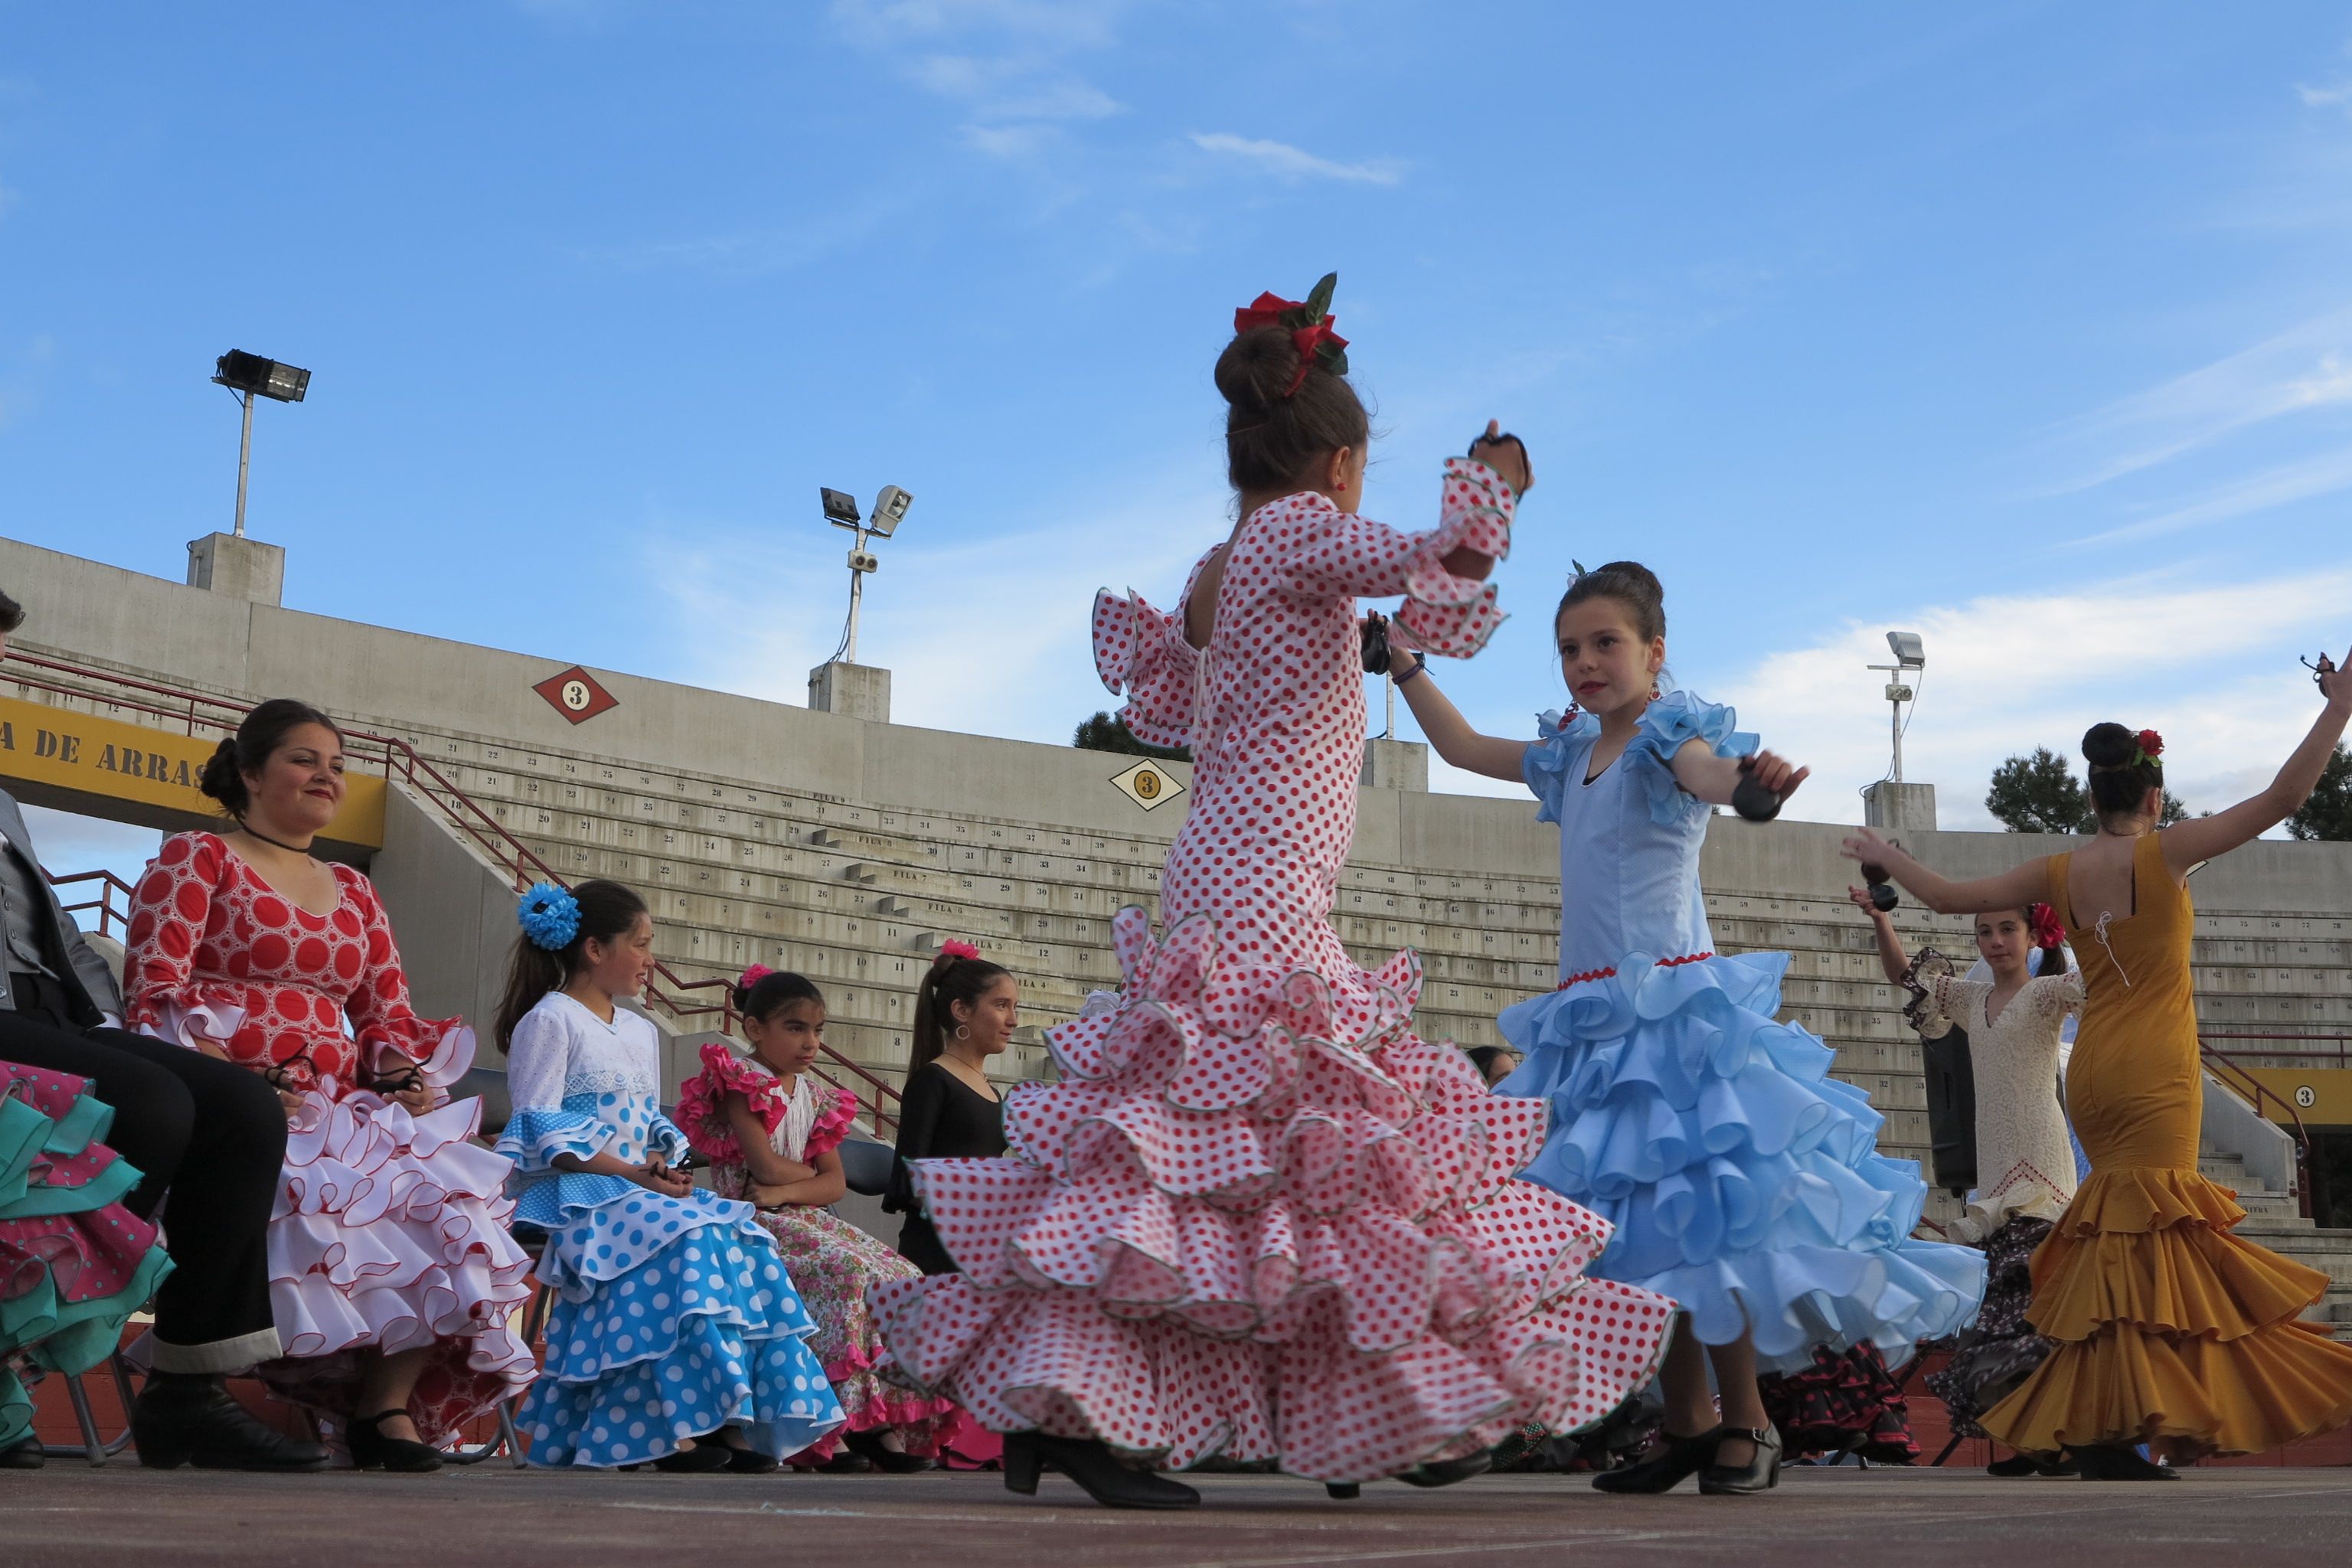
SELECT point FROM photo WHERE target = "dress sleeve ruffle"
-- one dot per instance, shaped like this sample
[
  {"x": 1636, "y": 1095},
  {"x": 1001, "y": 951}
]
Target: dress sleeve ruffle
[
  {"x": 1546, "y": 762},
  {"x": 1142, "y": 652},
  {"x": 535, "y": 1135},
  {"x": 832, "y": 1124},
  {"x": 702, "y": 1104},
  {"x": 186, "y": 1017},
  {"x": 442, "y": 1048},
  {"x": 1667, "y": 725},
  {"x": 664, "y": 1139},
  {"x": 1448, "y": 615}
]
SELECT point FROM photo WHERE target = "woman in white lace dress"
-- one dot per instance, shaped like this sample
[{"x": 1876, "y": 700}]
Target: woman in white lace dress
[{"x": 2013, "y": 1022}]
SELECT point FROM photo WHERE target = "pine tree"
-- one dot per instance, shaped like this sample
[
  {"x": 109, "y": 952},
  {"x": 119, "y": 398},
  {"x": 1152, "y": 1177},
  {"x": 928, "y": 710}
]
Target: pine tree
[
  {"x": 1108, "y": 732},
  {"x": 2328, "y": 813},
  {"x": 2038, "y": 793}
]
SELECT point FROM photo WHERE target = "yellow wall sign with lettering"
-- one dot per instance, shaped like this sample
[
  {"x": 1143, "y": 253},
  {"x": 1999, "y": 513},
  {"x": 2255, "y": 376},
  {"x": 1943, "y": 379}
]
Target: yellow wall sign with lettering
[
  {"x": 2322, "y": 1096},
  {"x": 150, "y": 768}
]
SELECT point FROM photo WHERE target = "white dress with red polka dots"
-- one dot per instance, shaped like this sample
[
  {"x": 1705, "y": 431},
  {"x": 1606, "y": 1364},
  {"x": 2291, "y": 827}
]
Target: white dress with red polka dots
[
  {"x": 389, "y": 1229},
  {"x": 1259, "y": 1216}
]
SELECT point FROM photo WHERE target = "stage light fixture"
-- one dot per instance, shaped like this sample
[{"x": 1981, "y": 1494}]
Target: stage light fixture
[
  {"x": 242, "y": 371},
  {"x": 840, "y": 507},
  {"x": 1909, "y": 653}
]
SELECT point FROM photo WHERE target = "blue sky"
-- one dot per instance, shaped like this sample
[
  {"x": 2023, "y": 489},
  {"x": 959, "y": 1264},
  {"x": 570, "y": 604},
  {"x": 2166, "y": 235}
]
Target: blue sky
[{"x": 2028, "y": 327}]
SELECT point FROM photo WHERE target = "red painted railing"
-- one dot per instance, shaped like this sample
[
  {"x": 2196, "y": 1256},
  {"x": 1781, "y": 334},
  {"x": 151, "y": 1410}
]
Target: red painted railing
[
  {"x": 2261, "y": 1096},
  {"x": 397, "y": 760},
  {"x": 101, "y": 901}
]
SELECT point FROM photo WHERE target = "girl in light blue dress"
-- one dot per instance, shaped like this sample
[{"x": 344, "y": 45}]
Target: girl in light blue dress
[
  {"x": 676, "y": 1337},
  {"x": 1742, "y": 1180}
]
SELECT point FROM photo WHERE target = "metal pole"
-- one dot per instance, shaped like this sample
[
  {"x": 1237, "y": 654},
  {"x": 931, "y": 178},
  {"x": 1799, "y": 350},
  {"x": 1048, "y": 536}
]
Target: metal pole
[
  {"x": 244, "y": 458},
  {"x": 1390, "y": 681},
  {"x": 857, "y": 592},
  {"x": 1898, "y": 739}
]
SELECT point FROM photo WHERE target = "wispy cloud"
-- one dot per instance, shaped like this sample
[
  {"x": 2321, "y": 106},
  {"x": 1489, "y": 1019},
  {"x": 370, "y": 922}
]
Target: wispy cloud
[
  {"x": 2307, "y": 367},
  {"x": 2241, "y": 497},
  {"x": 2212, "y": 666},
  {"x": 1005, "y": 62},
  {"x": 1290, "y": 163}
]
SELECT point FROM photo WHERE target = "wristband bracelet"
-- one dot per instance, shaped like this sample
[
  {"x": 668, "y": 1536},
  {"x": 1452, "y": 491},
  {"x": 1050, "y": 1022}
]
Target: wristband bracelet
[{"x": 1420, "y": 667}]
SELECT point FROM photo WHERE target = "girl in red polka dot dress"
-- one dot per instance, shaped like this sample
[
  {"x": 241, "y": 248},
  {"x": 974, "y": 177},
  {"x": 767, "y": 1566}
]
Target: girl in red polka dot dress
[
  {"x": 1258, "y": 1217},
  {"x": 392, "y": 1274}
]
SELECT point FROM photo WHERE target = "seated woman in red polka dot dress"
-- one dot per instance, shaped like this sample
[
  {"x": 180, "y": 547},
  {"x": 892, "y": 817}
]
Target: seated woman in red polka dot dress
[
  {"x": 1259, "y": 1216},
  {"x": 390, "y": 1272}
]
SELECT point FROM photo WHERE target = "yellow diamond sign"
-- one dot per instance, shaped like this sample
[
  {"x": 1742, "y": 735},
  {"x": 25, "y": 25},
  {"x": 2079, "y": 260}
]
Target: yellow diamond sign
[{"x": 1148, "y": 785}]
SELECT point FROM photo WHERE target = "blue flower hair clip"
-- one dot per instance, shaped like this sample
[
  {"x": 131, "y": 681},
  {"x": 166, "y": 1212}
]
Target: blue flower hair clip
[{"x": 550, "y": 916}]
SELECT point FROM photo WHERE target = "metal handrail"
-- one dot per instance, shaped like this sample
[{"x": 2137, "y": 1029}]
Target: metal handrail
[
  {"x": 400, "y": 760},
  {"x": 109, "y": 884},
  {"x": 2255, "y": 1091}
]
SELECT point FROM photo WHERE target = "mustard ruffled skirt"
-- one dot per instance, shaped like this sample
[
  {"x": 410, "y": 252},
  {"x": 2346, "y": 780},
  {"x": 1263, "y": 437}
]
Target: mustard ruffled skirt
[{"x": 2172, "y": 1331}]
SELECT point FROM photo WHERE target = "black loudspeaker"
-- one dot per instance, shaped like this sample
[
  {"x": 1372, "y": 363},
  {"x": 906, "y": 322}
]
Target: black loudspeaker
[{"x": 1952, "y": 1109}]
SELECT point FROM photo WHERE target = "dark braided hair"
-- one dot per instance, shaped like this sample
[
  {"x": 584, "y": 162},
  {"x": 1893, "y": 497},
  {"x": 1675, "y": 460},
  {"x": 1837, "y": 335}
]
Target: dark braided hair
[
  {"x": 1629, "y": 582},
  {"x": 2120, "y": 775},
  {"x": 248, "y": 751},
  {"x": 773, "y": 992},
  {"x": 1270, "y": 439}
]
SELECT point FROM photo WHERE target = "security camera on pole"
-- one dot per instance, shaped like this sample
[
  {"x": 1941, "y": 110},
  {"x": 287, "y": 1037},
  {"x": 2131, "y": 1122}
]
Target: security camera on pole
[
  {"x": 1890, "y": 803},
  {"x": 842, "y": 685}
]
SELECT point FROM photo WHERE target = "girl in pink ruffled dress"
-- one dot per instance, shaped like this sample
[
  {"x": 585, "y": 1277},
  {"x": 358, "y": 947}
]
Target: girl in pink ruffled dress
[
  {"x": 770, "y": 1129},
  {"x": 392, "y": 1274},
  {"x": 1259, "y": 1216}
]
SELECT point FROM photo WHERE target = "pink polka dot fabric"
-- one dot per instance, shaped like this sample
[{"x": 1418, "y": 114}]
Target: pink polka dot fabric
[{"x": 1259, "y": 1216}]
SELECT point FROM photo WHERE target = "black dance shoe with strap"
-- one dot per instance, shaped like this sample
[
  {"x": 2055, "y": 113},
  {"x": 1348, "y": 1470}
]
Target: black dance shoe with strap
[
  {"x": 2117, "y": 1462},
  {"x": 1761, "y": 1473},
  {"x": 1445, "y": 1472},
  {"x": 882, "y": 1456},
  {"x": 372, "y": 1450},
  {"x": 1088, "y": 1463},
  {"x": 192, "y": 1420},
  {"x": 1681, "y": 1458}
]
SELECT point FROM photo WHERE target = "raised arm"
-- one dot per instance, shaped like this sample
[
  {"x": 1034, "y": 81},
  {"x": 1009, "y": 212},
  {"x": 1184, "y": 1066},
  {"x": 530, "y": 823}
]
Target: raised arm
[
  {"x": 2011, "y": 891},
  {"x": 1451, "y": 733},
  {"x": 1712, "y": 778},
  {"x": 1891, "y": 956},
  {"x": 2204, "y": 838}
]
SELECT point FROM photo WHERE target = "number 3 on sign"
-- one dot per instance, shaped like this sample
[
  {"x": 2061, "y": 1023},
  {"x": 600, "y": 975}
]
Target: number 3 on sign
[
  {"x": 2304, "y": 1097},
  {"x": 575, "y": 695}
]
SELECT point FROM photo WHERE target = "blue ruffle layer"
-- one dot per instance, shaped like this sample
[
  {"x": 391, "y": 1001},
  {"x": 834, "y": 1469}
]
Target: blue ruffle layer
[
  {"x": 1667, "y": 724},
  {"x": 1743, "y": 1181},
  {"x": 706, "y": 1333}
]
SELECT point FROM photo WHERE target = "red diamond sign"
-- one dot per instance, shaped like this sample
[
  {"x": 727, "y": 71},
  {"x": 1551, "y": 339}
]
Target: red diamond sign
[{"x": 575, "y": 694}]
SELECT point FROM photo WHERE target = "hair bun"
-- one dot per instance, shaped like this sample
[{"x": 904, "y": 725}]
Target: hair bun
[
  {"x": 1257, "y": 368},
  {"x": 2109, "y": 746}
]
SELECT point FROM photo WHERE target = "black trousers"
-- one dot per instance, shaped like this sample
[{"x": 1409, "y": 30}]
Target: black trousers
[{"x": 212, "y": 1134}]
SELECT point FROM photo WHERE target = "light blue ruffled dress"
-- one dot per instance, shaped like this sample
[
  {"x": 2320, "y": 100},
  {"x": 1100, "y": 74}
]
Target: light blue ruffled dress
[
  {"x": 673, "y": 1317},
  {"x": 1744, "y": 1182}
]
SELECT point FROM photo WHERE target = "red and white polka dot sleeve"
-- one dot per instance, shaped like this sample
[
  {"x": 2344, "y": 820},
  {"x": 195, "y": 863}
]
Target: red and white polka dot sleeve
[{"x": 170, "y": 911}]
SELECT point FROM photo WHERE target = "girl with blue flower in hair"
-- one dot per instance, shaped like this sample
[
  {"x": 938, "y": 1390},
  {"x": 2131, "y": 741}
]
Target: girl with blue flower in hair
[
  {"x": 676, "y": 1337},
  {"x": 1742, "y": 1181}
]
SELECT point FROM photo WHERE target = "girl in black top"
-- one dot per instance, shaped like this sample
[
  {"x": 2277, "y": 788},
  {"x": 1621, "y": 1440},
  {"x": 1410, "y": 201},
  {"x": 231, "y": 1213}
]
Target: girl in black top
[{"x": 965, "y": 1013}]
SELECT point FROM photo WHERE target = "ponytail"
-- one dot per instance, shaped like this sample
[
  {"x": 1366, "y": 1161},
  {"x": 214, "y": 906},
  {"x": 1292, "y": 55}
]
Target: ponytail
[
  {"x": 958, "y": 974},
  {"x": 540, "y": 962}
]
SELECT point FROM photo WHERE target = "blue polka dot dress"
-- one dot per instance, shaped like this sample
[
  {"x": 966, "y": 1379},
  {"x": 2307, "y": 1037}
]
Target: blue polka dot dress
[{"x": 673, "y": 1317}]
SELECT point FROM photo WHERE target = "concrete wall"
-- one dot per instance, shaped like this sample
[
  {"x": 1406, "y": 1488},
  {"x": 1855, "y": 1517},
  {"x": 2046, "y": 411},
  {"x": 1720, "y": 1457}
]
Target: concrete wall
[{"x": 452, "y": 913}]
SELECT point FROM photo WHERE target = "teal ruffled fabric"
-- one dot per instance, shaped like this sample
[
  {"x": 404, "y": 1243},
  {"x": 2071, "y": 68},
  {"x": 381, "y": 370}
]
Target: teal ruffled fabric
[
  {"x": 1667, "y": 724},
  {"x": 1743, "y": 1181}
]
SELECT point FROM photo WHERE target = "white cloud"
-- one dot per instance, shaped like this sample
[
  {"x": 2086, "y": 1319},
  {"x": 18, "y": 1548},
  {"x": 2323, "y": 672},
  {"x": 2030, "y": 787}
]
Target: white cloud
[
  {"x": 1281, "y": 158},
  {"x": 2307, "y": 367},
  {"x": 2212, "y": 667},
  {"x": 1015, "y": 84},
  {"x": 2241, "y": 496}
]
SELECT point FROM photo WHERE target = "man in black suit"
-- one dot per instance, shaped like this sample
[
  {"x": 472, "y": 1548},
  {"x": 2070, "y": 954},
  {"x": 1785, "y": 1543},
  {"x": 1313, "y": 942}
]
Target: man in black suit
[{"x": 207, "y": 1132}]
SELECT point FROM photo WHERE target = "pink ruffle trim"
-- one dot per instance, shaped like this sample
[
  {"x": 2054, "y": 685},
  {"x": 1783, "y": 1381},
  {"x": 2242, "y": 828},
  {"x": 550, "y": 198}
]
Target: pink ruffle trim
[
  {"x": 1305, "y": 1241},
  {"x": 701, "y": 1102}
]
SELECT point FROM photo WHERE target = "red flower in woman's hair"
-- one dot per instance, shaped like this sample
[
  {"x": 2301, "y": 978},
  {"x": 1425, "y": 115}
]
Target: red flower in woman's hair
[
  {"x": 2151, "y": 744},
  {"x": 1310, "y": 321},
  {"x": 754, "y": 975},
  {"x": 952, "y": 947},
  {"x": 2047, "y": 933}
]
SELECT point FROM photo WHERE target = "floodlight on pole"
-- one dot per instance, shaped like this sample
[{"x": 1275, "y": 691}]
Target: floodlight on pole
[
  {"x": 841, "y": 511},
  {"x": 1910, "y": 654},
  {"x": 248, "y": 376}
]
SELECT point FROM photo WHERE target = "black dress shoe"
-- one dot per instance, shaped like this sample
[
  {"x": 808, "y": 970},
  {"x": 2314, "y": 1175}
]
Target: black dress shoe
[
  {"x": 1445, "y": 1472},
  {"x": 1681, "y": 1458},
  {"x": 1761, "y": 1473},
  {"x": 883, "y": 1456},
  {"x": 750, "y": 1461},
  {"x": 25, "y": 1455},
  {"x": 2117, "y": 1462},
  {"x": 1088, "y": 1463},
  {"x": 706, "y": 1454},
  {"x": 192, "y": 1421},
  {"x": 372, "y": 1450}
]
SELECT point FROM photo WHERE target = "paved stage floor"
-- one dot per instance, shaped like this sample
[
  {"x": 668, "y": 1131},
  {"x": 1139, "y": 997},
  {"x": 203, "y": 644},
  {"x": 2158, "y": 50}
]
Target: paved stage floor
[{"x": 68, "y": 1515}]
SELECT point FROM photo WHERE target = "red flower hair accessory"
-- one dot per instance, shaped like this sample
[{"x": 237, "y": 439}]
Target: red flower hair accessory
[
  {"x": 752, "y": 976},
  {"x": 1310, "y": 323},
  {"x": 2151, "y": 747},
  {"x": 952, "y": 947},
  {"x": 2048, "y": 934}
]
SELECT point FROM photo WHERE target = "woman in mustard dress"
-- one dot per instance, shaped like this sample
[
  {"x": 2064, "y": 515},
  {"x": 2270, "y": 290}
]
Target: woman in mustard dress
[{"x": 2171, "y": 1330}]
